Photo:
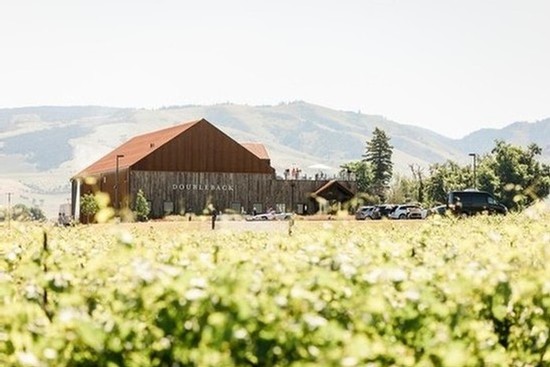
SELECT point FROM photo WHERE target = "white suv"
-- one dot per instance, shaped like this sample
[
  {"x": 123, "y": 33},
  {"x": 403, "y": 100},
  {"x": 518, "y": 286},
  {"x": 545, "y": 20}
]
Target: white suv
[{"x": 402, "y": 211}]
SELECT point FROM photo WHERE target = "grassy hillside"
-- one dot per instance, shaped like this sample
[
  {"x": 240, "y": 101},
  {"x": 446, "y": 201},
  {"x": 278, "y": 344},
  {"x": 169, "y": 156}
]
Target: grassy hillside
[{"x": 42, "y": 147}]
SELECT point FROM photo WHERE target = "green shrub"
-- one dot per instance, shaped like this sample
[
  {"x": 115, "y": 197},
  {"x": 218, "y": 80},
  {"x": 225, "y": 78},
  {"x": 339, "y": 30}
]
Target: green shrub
[{"x": 142, "y": 208}]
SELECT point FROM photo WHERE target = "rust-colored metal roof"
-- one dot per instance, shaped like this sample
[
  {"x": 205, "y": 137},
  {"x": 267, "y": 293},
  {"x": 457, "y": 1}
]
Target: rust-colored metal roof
[
  {"x": 258, "y": 149},
  {"x": 141, "y": 146},
  {"x": 135, "y": 149}
]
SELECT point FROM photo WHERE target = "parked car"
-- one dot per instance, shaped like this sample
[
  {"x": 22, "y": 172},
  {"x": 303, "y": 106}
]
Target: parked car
[
  {"x": 439, "y": 210},
  {"x": 384, "y": 210},
  {"x": 416, "y": 213},
  {"x": 269, "y": 216},
  {"x": 365, "y": 212},
  {"x": 471, "y": 202},
  {"x": 402, "y": 211}
]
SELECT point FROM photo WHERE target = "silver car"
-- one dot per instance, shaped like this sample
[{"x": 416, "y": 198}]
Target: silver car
[{"x": 365, "y": 212}]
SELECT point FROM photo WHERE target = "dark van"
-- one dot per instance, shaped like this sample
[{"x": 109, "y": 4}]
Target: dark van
[{"x": 471, "y": 202}]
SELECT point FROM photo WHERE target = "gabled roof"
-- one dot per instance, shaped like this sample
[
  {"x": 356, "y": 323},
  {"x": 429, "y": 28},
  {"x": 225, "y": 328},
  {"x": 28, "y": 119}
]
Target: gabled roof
[
  {"x": 258, "y": 149},
  {"x": 135, "y": 149},
  {"x": 335, "y": 183}
]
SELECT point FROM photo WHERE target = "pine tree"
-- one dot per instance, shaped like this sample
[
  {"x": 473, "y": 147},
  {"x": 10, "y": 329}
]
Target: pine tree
[
  {"x": 378, "y": 154},
  {"x": 361, "y": 171}
]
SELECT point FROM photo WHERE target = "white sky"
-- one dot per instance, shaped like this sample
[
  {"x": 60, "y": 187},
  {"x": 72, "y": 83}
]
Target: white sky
[{"x": 452, "y": 66}]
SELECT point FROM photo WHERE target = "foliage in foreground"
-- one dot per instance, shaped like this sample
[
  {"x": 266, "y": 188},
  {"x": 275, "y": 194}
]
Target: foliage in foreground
[{"x": 443, "y": 292}]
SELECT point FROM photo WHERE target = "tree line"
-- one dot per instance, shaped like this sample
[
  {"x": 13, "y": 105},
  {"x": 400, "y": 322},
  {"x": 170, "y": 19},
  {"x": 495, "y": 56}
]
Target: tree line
[
  {"x": 511, "y": 173},
  {"x": 22, "y": 213}
]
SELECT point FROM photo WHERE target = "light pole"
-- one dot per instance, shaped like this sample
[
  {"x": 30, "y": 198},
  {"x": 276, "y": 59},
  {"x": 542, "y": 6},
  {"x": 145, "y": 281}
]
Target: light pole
[
  {"x": 474, "y": 155},
  {"x": 117, "y": 206},
  {"x": 9, "y": 209}
]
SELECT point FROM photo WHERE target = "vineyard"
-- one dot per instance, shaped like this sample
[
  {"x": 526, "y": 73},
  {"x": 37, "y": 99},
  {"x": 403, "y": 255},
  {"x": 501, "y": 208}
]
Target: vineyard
[{"x": 441, "y": 292}]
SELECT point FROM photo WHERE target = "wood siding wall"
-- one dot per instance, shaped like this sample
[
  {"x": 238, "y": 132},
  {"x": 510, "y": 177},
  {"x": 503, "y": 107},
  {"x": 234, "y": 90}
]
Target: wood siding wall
[
  {"x": 106, "y": 183},
  {"x": 201, "y": 166},
  {"x": 203, "y": 148},
  {"x": 192, "y": 192}
]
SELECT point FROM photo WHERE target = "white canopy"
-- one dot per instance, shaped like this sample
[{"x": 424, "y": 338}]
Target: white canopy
[{"x": 321, "y": 166}]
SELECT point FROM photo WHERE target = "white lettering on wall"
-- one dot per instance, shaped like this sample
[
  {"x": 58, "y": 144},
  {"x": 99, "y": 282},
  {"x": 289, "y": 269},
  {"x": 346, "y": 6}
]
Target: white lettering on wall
[{"x": 202, "y": 187}]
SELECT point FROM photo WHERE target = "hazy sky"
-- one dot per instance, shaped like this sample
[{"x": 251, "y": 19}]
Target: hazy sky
[{"x": 452, "y": 66}]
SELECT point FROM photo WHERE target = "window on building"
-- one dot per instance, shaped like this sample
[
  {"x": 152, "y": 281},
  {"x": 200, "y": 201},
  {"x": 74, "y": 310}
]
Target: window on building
[
  {"x": 258, "y": 207},
  {"x": 168, "y": 207},
  {"x": 280, "y": 208},
  {"x": 236, "y": 207}
]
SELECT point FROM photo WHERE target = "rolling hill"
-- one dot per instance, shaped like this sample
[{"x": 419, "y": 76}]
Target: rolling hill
[{"x": 42, "y": 147}]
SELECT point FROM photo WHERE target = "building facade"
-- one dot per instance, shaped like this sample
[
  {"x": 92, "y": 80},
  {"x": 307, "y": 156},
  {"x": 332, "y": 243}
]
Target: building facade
[{"x": 187, "y": 167}]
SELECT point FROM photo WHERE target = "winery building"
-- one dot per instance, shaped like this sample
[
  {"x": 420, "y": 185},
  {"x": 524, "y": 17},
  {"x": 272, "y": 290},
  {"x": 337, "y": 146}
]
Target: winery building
[{"x": 186, "y": 167}]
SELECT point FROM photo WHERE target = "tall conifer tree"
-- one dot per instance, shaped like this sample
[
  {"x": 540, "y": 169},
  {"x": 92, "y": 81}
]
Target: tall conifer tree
[{"x": 378, "y": 154}]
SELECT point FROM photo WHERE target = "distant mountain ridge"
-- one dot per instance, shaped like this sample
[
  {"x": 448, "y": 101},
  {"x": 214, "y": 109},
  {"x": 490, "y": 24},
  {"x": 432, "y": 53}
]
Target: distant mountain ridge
[
  {"x": 518, "y": 133},
  {"x": 42, "y": 147}
]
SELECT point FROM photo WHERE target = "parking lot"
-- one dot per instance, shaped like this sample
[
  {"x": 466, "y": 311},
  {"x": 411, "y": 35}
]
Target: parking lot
[{"x": 309, "y": 223}]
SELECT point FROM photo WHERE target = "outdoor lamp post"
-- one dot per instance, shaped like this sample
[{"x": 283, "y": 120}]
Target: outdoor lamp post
[
  {"x": 9, "y": 209},
  {"x": 474, "y": 155},
  {"x": 118, "y": 156}
]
